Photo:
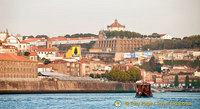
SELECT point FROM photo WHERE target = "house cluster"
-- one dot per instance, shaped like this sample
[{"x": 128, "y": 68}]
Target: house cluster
[
  {"x": 31, "y": 57},
  {"x": 180, "y": 54}
]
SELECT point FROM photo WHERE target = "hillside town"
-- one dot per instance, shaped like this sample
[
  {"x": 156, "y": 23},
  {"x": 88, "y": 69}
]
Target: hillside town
[{"x": 70, "y": 58}]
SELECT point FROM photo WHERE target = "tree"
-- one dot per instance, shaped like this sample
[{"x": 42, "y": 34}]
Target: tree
[
  {"x": 26, "y": 53},
  {"x": 192, "y": 84},
  {"x": 198, "y": 84},
  {"x": 134, "y": 74},
  {"x": 176, "y": 82},
  {"x": 187, "y": 42},
  {"x": 91, "y": 75},
  {"x": 24, "y": 37},
  {"x": 47, "y": 61},
  {"x": 42, "y": 36},
  {"x": 187, "y": 81},
  {"x": 98, "y": 76},
  {"x": 90, "y": 45},
  {"x": 80, "y": 35}
]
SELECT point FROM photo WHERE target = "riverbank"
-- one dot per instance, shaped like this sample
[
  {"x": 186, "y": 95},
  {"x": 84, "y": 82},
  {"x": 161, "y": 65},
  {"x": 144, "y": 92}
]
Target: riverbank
[
  {"x": 44, "y": 86},
  {"x": 178, "y": 90}
]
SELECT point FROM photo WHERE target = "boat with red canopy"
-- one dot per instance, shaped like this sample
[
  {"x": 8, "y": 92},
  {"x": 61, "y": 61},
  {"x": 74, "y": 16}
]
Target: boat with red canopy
[{"x": 144, "y": 90}]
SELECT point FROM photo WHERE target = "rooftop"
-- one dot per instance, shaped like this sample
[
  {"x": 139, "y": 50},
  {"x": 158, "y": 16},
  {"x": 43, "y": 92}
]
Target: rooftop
[
  {"x": 7, "y": 56},
  {"x": 116, "y": 24}
]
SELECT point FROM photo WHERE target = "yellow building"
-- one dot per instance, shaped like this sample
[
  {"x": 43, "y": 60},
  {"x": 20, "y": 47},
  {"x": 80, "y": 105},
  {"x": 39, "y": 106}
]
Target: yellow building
[{"x": 69, "y": 54}]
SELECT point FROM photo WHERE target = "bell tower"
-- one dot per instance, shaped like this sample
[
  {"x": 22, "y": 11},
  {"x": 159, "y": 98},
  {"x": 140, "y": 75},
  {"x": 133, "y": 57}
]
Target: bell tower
[
  {"x": 101, "y": 35},
  {"x": 49, "y": 43}
]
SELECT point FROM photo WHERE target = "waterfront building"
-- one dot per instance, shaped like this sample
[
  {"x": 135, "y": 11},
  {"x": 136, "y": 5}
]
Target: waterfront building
[
  {"x": 12, "y": 66},
  {"x": 122, "y": 44},
  {"x": 116, "y": 26},
  {"x": 44, "y": 68},
  {"x": 85, "y": 67},
  {"x": 66, "y": 67},
  {"x": 97, "y": 66}
]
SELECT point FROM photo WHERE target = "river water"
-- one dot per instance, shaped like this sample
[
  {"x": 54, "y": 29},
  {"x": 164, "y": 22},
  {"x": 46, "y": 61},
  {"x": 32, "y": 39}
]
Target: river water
[{"x": 173, "y": 100}]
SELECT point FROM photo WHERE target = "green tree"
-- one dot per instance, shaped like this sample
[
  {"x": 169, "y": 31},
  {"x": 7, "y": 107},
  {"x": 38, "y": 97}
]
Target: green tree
[
  {"x": 91, "y": 75},
  {"x": 198, "y": 84},
  {"x": 98, "y": 76},
  {"x": 193, "y": 83},
  {"x": 42, "y": 36},
  {"x": 187, "y": 81},
  {"x": 47, "y": 61},
  {"x": 26, "y": 53},
  {"x": 176, "y": 82},
  {"x": 134, "y": 74}
]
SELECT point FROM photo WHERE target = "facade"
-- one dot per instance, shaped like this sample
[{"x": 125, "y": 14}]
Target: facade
[
  {"x": 50, "y": 53},
  {"x": 97, "y": 66},
  {"x": 116, "y": 26},
  {"x": 44, "y": 68},
  {"x": 123, "y": 45},
  {"x": 33, "y": 56},
  {"x": 66, "y": 67},
  {"x": 85, "y": 67},
  {"x": 12, "y": 66},
  {"x": 8, "y": 49}
]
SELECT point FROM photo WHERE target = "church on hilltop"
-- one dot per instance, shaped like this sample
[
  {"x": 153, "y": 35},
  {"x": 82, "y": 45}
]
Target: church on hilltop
[
  {"x": 16, "y": 41},
  {"x": 116, "y": 26}
]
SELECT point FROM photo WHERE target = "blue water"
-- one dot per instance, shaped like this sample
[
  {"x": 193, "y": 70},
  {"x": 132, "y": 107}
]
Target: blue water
[{"x": 96, "y": 101}]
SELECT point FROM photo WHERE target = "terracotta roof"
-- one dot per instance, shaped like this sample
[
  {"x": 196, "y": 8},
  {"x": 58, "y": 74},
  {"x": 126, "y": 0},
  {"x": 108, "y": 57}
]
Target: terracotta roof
[
  {"x": 49, "y": 53},
  {"x": 33, "y": 40},
  {"x": 2, "y": 41},
  {"x": 7, "y": 56},
  {"x": 163, "y": 34},
  {"x": 58, "y": 38},
  {"x": 33, "y": 54},
  {"x": 84, "y": 60},
  {"x": 8, "y": 46},
  {"x": 116, "y": 24},
  {"x": 36, "y": 47},
  {"x": 76, "y": 38}
]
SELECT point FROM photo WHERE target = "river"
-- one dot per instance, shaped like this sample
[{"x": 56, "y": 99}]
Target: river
[{"x": 177, "y": 100}]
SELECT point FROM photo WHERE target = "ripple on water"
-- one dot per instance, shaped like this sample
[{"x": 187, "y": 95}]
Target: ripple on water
[{"x": 94, "y": 100}]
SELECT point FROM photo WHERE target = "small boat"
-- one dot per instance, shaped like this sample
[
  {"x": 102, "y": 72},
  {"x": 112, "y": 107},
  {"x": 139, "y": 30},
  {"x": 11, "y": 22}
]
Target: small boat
[{"x": 144, "y": 90}]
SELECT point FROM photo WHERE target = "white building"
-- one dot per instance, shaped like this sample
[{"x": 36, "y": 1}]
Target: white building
[
  {"x": 166, "y": 36},
  {"x": 13, "y": 41},
  {"x": 59, "y": 40},
  {"x": 116, "y": 26}
]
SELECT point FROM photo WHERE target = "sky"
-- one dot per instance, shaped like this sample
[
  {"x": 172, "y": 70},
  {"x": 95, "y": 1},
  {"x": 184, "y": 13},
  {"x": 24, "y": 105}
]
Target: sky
[{"x": 178, "y": 18}]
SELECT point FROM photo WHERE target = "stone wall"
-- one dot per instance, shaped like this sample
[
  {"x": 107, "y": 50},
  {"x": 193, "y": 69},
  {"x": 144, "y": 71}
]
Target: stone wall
[{"x": 63, "y": 86}]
